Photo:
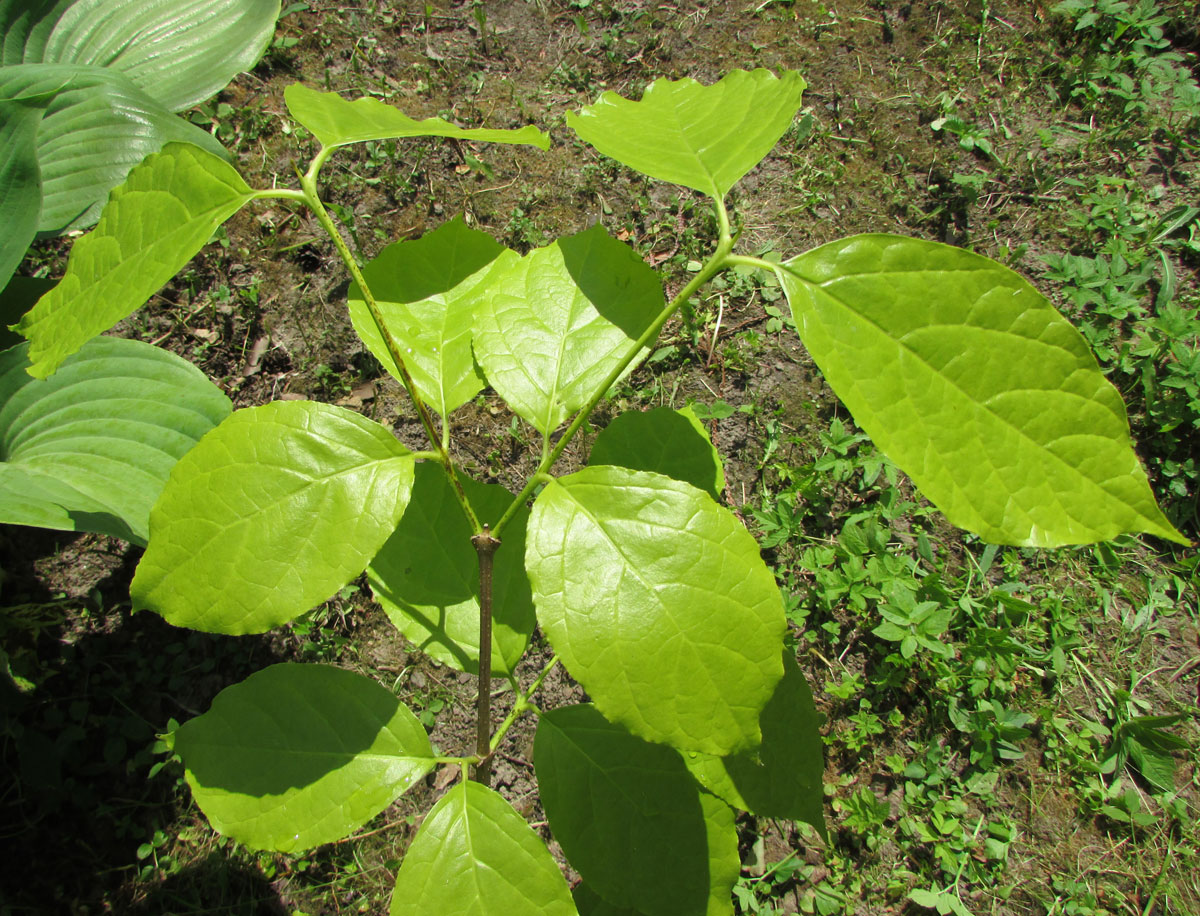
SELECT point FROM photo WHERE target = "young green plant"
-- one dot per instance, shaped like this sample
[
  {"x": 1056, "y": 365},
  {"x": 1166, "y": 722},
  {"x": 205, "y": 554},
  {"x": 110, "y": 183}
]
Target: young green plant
[{"x": 651, "y": 593}]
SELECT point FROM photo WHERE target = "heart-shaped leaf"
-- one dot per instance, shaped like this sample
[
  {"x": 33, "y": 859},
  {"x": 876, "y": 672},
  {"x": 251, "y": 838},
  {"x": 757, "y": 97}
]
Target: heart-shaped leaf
[
  {"x": 270, "y": 514},
  {"x": 427, "y": 575},
  {"x": 702, "y": 137},
  {"x": 658, "y": 602},
  {"x": 475, "y": 856},
  {"x": 427, "y": 292},
  {"x": 336, "y": 122},
  {"x": 553, "y": 324},
  {"x": 631, "y": 818},
  {"x": 971, "y": 381},
  {"x": 666, "y": 441},
  {"x": 299, "y": 755},
  {"x": 90, "y": 449},
  {"x": 165, "y": 212},
  {"x": 179, "y": 53}
]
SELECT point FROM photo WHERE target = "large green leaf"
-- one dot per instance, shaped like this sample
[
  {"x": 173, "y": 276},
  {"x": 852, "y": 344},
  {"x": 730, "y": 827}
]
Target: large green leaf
[
  {"x": 702, "y": 137},
  {"x": 427, "y": 292},
  {"x": 297, "y": 755},
  {"x": 475, "y": 856},
  {"x": 336, "y": 122},
  {"x": 972, "y": 383},
  {"x": 782, "y": 779},
  {"x": 270, "y": 514},
  {"x": 666, "y": 441},
  {"x": 165, "y": 212},
  {"x": 554, "y": 323},
  {"x": 96, "y": 128},
  {"x": 427, "y": 575},
  {"x": 631, "y": 819},
  {"x": 658, "y": 602},
  {"x": 90, "y": 449},
  {"x": 179, "y": 53},
  {"x": 20, "y": 179}
]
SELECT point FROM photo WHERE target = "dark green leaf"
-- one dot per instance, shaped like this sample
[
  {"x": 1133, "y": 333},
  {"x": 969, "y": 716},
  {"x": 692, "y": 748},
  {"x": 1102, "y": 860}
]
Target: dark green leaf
[
  {"x": 666, "y": 441},
  {"x": 427, "y": 575},
  {"x": 631, "y": 818}
]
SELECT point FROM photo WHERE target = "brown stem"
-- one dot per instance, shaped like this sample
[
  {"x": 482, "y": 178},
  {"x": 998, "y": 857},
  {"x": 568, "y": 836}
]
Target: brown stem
[{"x": 485, "y": 548}]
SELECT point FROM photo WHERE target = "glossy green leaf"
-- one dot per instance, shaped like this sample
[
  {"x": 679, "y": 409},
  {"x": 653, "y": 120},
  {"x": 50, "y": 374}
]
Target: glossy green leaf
[
  {"x": 702, "y": 137},
  {"x": 475, "y": 856},
  {"x": 968, "y": 379},
  {"x": 270, "y": 514},
  {"x": 336, "y": 122},
  {"x": 782, "y": 777},
  {"x": 658, "y": 602},
  {"x": 179, "y": 53},
  {"x": 96, "y": 128},
  {"x": 20, "y": 180},
  {"x": 427, "y": 291},
  {"x": 553, "y": 324},
  {"x": 90, "y": 449},
  {"x": 154, "y": 223},
  {"x": 297, "y": 755},
  {"x": 666, "y": 441},
  {"x": 631, "y": 819},
  {"x": 427, "y": 575}
]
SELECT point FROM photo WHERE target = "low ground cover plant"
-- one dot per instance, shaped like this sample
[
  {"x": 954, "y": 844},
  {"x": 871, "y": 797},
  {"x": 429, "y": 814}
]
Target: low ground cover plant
[{"x": 651, "y": 593}]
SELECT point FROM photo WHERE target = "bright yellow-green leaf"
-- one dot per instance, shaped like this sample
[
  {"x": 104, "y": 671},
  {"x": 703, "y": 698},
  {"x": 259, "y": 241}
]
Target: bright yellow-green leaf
[
  {"x": 658, "y": 602},
  {"x": 427, "y": 292},
  {"x": 475, "y": 856},
  {"x": 269, "y": 515},
  {"x": 702, "y": 137},
  {"x": 666, "y": 441},
  {"x": 297, "y": 755},
  {"x": 971, "y": 382},
  {"x": 553, "y": 324},
  {"x": 336, "y": 122},
  {"x": 165, "y": 212}
]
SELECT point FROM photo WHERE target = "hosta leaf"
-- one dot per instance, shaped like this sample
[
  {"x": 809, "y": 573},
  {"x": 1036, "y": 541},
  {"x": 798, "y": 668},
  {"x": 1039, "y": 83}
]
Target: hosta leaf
[
  {"x": 91, "y": 448},
  {"x": 336, "y": 122},
  {"x": 658, "y": 602},
  {"x": 97, "y": 127},
  {"x": 782, "y": 778},
  {"x": 475, "y": 856},
  {"x": 270, "y": 514},
  {"x": 427, "y": 575},
  {"x": 20, "y": 180},
  {"x": 666, "y": 441},
  {"x": 164, "y": 213},
  {"x": 179, "y": 53},
  {"x": 969, "y": 380},
  {"x": 631, "y": 819},
  {"x": 297, "y": 755},
  {"x": 427, "y": 292},
  {"x": 702, "y": 137},
  {"x": 555, "y": 323}
]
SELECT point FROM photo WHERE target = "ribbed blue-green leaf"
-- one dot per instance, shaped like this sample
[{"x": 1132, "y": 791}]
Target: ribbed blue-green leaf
[{"x": 90, "y": 448}]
